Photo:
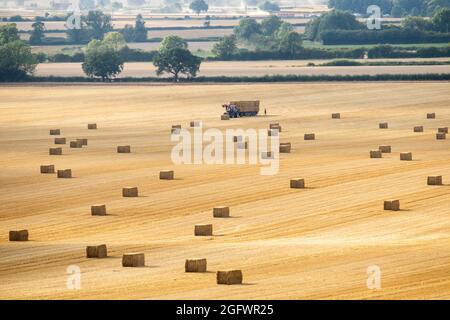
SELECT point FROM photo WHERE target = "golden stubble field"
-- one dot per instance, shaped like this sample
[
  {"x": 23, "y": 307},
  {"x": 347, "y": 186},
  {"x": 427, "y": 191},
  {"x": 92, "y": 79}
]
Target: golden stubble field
[{"x": 315, "y": 243}]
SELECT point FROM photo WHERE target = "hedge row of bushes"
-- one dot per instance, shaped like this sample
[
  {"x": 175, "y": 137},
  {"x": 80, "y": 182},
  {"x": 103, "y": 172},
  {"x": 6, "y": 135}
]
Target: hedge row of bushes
[
  {"x": 304, "y": 53},
  {"x": 382, "y": 51},
  {"x": 341, "y": 63},
  {"x": 392, "y": 36},
  {"x": 387, "y": 51},
  {"x": 273, "y": 78}
]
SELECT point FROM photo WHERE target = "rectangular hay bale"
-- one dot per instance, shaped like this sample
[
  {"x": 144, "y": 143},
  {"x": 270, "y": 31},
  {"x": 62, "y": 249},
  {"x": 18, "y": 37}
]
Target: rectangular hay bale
[
  {"x": 203, "y": 230},
  {"x": 376, "y": 154},
  {"x": 418, "y": 129},
  {"x": 48, "y": 168},
  {"x": 434, "y": 180},
  {"x": 383, "y": 125},
  {"x": 98, "y": 210},
  {"x": 64, "y": 174},
  {"x": 55, "y": 151},
  {"x": 195, "y": 265},
  {"x": 55, "y": 132},
  {"x": 275, "y": 126},
  {"x": 385, "y": 149},
  {"x": 285, "y": 147},
  {"x": 221, "y": 212},
  {"x": 441, "y": 136},
  {"x": 297, "y": 183},
  {"x": 406, "y": 156},
  {"x": 97, "y": 251},
  {"x": 76, "y": 144},
  {"x": 166, "y": 175},
  {"x": 20, "y": 235},
  {"x": 92, "y": 126},
  {"x": 60, "y": 140},
  {"x": 443, "y": 130},
  {"x": 83, "y": 141},
  {"x": 130, "y": 192},
  {"x": 123, "y": 149},
  {"x": 229, "y": 277},
  {"x": 431, "y": 115},
  {"x": 133, "y": 260},
  {"x": 335, "y": 116},
  {"x": 309, "y": 136},
  {"x": 392, "y": 205}
]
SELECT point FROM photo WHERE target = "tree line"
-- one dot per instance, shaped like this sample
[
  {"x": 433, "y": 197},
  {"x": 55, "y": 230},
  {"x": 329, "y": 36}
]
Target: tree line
[
  {"x": 342, "y": 27},
  {"x": 395, "y": 8},
  {"x": 272, "y": 35}
]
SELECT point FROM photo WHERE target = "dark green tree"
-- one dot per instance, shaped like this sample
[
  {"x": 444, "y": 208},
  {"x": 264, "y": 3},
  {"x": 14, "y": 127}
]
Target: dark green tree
[
  {"x": 270, "y": 25},
  {"x": 225, "y": 48},
  {"x": 102, "y": 61},
  {"x": 9, "y": 33},
  {"x": 247, "y": 29},
  {"x": 16, "y": 59},
  {"x": 98, "y": 24},
  {"x": 332, "y": 20},
  {"x": 441, "y": 20},
  {"x": 128, "y": 33},
  {"x": 269, "y": 6},
  {"x": 140, "y": 32},
  {"x": 199, "y": 6},
  {"x": 417, "y": 23},
  {"x": 177, "y": 62},
  {"x": 37, "y": 34},
  {"x": 290, "y": 43},
  {"x": 173, "y": 42}
]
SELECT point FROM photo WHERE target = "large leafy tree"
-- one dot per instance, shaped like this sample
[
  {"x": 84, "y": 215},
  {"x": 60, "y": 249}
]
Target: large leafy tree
[
  {"x": 37, "y": 34},
  {"x": 247, "y": 29},
  {"x": 98, "y": 24},
  {"x": 270, "y": 25},
  {"x": 199, "y": 6},
  {"x": 333, "y": 20},
  {"x": 9, "y": 33},
  {"x": 173, "y": 42},
  {"x": 102, "y": 60},
  {"x": 290, "y": 43},
  {"x": 225, "y": 48},
  {"x": 441, "y": 20},
  {"x": 269, "y": 6},
  {"x": 140, "y": 32},
  {"x": 176, "y": 61},
  {"x": 16, "y": 59}
]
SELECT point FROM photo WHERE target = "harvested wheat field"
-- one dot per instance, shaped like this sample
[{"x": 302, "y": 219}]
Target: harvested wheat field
[
  {"x": 247, "y": 68},
  {"x": 310, "y": 243}
]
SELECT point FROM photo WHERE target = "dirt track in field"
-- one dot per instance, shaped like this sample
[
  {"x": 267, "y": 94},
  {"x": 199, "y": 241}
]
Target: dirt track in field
[{"x": 313, "y": 243}]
